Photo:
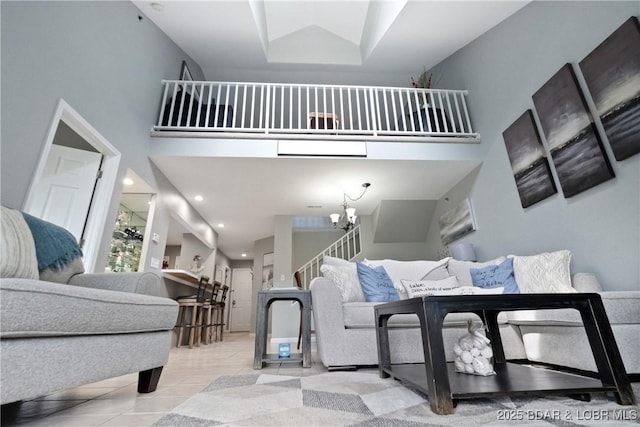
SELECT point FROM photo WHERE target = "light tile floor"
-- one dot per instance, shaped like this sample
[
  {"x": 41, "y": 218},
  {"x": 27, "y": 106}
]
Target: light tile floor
[{"x": 116, "y": 402}]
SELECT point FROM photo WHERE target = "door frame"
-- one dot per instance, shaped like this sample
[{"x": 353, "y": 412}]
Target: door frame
[{"x": 101, "y": 202}]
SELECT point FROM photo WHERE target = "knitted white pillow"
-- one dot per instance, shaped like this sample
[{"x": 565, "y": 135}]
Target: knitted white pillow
[
  {"x": 547, "y": 272},
  {"x": 18, "y": 250},
  {"x": 345, "y": 278}
]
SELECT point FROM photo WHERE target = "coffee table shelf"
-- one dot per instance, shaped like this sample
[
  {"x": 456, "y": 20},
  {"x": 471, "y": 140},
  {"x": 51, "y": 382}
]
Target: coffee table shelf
[
  {"x": 510, "y": 379},
  {"x": 438, "y": 379}
]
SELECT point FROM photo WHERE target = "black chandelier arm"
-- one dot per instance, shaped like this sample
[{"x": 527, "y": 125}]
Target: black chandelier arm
[{"x": 366, "y": 186}]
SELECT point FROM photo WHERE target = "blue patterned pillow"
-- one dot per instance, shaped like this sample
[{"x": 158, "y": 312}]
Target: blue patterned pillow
[
  {"x": 496, "y": 276},
  {"x": 376, "y": 284}
]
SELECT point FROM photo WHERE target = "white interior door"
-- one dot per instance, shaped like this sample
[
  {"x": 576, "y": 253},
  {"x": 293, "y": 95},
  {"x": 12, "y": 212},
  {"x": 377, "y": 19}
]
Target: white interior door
[
  {"x": 240, "y": 300},
  {"x": 63, "y": 193}
]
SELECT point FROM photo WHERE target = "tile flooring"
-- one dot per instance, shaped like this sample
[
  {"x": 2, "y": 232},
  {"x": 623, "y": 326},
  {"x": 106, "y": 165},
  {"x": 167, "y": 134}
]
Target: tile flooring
[{"x": 116, "y": 402}]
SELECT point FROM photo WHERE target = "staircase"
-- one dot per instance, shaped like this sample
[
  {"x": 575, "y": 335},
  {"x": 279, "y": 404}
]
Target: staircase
[{"x": 348, "y": 247}]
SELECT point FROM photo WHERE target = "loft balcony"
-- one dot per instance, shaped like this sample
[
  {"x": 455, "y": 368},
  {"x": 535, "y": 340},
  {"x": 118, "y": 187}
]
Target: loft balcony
[{"x": 313, "y": 112}]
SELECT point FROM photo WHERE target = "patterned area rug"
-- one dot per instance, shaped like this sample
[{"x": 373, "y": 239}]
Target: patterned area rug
[{"x": 363, "y": 399}]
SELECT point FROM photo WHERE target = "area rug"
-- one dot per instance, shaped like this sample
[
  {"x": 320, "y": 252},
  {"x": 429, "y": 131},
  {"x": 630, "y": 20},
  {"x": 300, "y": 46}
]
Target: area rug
[{"x": 363, "y": 399}]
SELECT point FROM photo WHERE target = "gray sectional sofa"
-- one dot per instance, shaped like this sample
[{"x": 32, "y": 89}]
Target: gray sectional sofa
[
  {"x": 345, "y": 331},
  {"x": 81, "y": 329}
]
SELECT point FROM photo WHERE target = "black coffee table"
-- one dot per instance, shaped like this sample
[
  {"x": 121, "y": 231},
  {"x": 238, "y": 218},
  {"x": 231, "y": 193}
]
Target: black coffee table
[{"x": 443, "y": 385}]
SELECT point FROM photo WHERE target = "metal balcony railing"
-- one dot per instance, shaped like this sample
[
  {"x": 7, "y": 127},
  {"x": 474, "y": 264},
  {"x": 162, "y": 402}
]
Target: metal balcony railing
[{"x": 302, "y": 111}]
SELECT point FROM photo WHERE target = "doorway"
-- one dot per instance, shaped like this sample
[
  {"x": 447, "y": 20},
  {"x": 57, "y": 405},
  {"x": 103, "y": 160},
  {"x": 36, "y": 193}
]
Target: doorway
[
  {"x": 241, "y": 292},
  {"x": 64, "y": 192},
  {"x": 130, "y": 235},
  {"x": 48, "y": 200}
]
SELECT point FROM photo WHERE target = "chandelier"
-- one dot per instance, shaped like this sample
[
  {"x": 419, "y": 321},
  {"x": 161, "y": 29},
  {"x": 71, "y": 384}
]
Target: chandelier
[{"x": 347, "y": 220}]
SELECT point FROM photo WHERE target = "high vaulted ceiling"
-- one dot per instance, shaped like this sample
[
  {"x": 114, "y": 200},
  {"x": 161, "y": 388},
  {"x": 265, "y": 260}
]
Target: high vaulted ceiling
[
  {"x": 283, "y": 41},
  {"x": 334, "y": 42}
]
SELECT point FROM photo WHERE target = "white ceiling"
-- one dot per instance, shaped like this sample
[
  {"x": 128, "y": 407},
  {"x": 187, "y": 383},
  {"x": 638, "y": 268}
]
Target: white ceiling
[
  {"x": 334, "y": 42},
  {"x": 246, "y": 193},
  {"x": 232, "y": 40}
]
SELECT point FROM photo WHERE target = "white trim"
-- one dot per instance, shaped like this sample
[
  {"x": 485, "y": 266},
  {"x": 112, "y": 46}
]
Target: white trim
[
  {"x": 322, "y": 148},
  {"x": 97, "y": 217},
  {"x": 147, "y": 235}
]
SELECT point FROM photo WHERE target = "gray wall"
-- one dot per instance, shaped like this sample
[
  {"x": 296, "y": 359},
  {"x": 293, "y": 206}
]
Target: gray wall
[
  {"x": 241, "y": 264},
  {"x": 399, "y": 251},
  {"x": 501, "y": 70},
  {"x": 307, "y": 244},
  {"x": 107, "y": 65},
  {"x": 172, "y": 252}
]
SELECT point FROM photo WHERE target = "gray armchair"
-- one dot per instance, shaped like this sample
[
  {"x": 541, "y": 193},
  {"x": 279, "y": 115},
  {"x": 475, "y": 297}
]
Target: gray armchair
[{"x": 89, "y": 328}]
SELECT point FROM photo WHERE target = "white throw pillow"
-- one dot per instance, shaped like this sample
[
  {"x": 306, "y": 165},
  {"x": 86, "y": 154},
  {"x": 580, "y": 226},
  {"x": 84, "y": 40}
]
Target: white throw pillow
[
  {"x": 344, "y": 278},
  {"x": 338, "y": 262},
  {"x": 410, "y": 270},
  {"x": 460, "y": 269},
  {"x": 421, "y": 288},
  {"x": 17, "y": 248},
  {"x": 445, "y": 287},
  {"x": 547, "y": 272}
]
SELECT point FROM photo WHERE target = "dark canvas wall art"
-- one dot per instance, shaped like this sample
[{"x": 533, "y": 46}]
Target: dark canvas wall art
[
  {"x": 529, "y": 162},
  {"x": 612, "y": 74},
  {"x": 572, "y": 138},
  {"x": 457, "y": 222}
]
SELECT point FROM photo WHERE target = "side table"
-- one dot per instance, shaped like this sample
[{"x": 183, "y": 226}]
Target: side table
[{"x": 265, "y": 299}]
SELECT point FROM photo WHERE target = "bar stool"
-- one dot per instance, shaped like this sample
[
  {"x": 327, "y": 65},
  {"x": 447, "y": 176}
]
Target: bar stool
[
  {"x": 207, "y": 316},
  {"x": 188, "y": 308},
  {"x": 218, "y": 309}
]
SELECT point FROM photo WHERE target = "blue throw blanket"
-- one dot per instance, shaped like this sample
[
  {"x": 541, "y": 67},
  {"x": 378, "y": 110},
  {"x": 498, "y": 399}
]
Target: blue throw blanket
[{"x": 55, "y": 246}]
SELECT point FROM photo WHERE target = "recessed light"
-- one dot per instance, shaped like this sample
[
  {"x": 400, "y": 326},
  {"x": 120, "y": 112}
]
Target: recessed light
[
  {"x": 198, "y": 198},
  {"x": 221, "y": 225},
  {"x": 314, "y": 206},
  {"x": 157, "y": 6},
  {"x": 127, "y": 181},
  {"x": 243, "y": 255}
]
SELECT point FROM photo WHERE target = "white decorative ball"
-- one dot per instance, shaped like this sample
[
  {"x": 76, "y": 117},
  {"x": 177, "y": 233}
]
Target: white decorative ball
[
  {"x": 466, "y": 343},
  {"x": 487, "y": 352},
  {"x": 466, "y": 357},
  {"x": 456, "y": 349}
]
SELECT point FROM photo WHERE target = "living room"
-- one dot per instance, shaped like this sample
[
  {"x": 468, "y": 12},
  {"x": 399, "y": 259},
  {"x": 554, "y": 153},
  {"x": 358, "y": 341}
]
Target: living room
[{"x": 107, "y": 65}]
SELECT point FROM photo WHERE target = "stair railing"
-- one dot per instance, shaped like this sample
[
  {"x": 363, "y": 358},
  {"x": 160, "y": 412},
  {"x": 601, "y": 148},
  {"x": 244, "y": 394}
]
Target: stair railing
[{"x": 348, "y": 247}]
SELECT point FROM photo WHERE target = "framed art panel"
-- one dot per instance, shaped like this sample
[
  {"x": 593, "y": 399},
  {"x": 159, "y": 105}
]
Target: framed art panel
[
  {"x": 575, "y": 146},
  {"x": 612, "y": 74},
  {"x": 267, "y": 271},
  {"x": 528, "y": 161},
  {"x": 457, "y": 222}
]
